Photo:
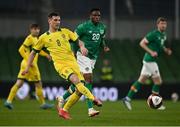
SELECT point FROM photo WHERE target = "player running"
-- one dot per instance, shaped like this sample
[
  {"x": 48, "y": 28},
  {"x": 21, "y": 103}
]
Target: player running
[
  {"x": 56, "y": 40},
  {"x": 153, "y": 44},
  {"x": 92, "y": 33},
  {"x": 34, "y": 74}
]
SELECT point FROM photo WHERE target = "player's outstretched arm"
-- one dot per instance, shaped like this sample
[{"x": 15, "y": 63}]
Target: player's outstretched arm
[
  {"x": 143, "y": 45},
  {"x": 23, "y": 53},
  {"x": 104, "y": 46},
  {"x": 83, "y": 49},
  {"x": 30, "y": 61}
]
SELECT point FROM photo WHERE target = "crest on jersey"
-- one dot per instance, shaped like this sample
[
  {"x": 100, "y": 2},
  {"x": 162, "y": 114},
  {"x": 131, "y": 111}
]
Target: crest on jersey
[
  {"x": 50, "y": 40},
  {"x": 90, "y": 31},
  {"x": 101, "y": 31},
  {"x": 63, "y": 36}
]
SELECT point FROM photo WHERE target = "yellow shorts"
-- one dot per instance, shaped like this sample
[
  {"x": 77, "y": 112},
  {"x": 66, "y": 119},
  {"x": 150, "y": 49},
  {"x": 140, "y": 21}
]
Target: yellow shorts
[
  {"x": 32, "y": 75},
  {"x": 65, "y": 69}
]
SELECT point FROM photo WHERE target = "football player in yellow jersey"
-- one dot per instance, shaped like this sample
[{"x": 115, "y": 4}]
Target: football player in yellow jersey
[
  {"x": 56, "y": 40},
  {"x": 33, "y": 75}
]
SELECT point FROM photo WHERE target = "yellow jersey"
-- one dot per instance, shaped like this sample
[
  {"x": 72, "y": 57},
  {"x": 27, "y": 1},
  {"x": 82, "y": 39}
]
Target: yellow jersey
[
  {"x": 58, "y": 45},
  {"x": 26, "y": 48}
]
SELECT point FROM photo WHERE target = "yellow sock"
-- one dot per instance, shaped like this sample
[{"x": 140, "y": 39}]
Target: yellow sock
[
  {"x": 39, "y": 93},
  {"x": 71, "y": 101},
  {"x": 12, "y": 93},
  {"x": 82, "y": 89}
]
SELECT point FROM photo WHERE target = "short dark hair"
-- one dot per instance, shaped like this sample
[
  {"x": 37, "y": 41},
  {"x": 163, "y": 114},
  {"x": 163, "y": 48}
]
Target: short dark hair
[
  {"x": 161, "y": 19},
  {"x": 50, "y": 15},
  {"x": 94, "y": 9},
  {"x": 34, "y": 25}
]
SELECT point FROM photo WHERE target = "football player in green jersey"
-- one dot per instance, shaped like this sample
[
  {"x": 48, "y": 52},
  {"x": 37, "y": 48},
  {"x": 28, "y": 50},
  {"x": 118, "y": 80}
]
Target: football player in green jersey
[
  {"x": 153, "y": 44},
  {"x": 92, "y": 33}
]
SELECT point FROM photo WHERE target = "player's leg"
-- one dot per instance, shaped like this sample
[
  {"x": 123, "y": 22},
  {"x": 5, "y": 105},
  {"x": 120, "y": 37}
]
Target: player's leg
[
  {"x": 64, "y": 112},
  {"x": 133, "y": 90},
  {"x": 12, "y": 93},
  {"x": 70, "y": 71},
  {"x": 86, "y": 67},
  {"x": 39, "y": 93},
  {"x": 80, "y": 88},
  {"x": 91, "y": 111},
  {"x": 157, "y": 83},
  {"x": 157, "y": 80},
  {"x": 135, "y": 87},
  {"x": 62, "y": 99},
  {"x": 156, "y": 88},
  {"x": 16, "y": 86}
]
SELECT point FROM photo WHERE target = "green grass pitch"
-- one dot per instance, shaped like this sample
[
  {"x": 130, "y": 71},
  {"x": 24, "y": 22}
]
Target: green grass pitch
[{"x": 112, "y": 114}]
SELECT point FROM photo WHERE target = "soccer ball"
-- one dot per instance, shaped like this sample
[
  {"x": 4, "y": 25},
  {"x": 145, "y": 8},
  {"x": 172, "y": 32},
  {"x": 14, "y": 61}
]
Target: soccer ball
[{"x": 154, "y": 101}]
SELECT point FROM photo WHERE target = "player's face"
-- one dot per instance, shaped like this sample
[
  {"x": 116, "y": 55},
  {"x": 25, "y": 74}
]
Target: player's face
[
  {"x": 54, "y": 22},
  {"x": 35, "y": 31},
  {"x": 95, "y": 16},
  {"x": 162, "y": 25}
]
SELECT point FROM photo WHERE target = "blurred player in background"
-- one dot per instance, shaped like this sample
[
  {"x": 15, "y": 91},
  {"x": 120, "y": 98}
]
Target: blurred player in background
[
  {"x": 56, "y": 40},
  {"x": 92, "y": 33},
  {"x": 153, "y": 44},
  {"x": 34, "y": 74}
]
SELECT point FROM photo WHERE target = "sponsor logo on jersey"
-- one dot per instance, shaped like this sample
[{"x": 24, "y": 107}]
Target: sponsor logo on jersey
[{"x": 63, "y": 36}]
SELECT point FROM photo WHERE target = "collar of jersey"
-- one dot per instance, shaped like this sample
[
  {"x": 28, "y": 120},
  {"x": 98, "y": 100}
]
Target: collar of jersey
[
  {"x": 48, "y": 32},
  {"x": 92, "y": 23}
]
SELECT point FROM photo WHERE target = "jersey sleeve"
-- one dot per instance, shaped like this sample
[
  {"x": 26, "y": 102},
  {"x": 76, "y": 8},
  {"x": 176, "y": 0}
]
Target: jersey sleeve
[
  {"x": 103, "y": 42},
  {"x": 39, "y": 45},
  {"x": 73, "y": 36},
  {"x": 24, "y": 52},
  {"x": 150, "y": 37},
  {"x": 27, "y": 42},
  {"x": 80, "y": 30},
  {"x": 104, "y": 34}
]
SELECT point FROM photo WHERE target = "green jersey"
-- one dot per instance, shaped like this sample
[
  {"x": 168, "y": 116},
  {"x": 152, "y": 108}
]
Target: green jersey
[
  {"x": 156, "y": 41},
  {"x": 93, "y": 36}
]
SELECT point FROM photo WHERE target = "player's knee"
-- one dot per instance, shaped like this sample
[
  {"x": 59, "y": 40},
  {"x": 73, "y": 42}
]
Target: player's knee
[
  {"x": 19, "y": 83},
  {"x": 74, "y": 79},
  {"x": 88, "y": 78},
  {"x": 142, "y": 79},
  {"x": 157, "y": 80},
  {"x": 38, "y": 84}
]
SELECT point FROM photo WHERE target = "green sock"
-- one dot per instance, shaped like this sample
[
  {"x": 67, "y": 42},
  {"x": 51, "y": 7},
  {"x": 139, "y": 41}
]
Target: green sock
[
  {"x": 69, "y": 92},
  {"x": 134, "y": 89},
  {"x": 89, "y": 102},
  {"x": 155, "y": 88}
]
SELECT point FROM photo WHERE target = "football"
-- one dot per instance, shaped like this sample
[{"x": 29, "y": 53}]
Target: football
[{"x": 154, "y": 101}]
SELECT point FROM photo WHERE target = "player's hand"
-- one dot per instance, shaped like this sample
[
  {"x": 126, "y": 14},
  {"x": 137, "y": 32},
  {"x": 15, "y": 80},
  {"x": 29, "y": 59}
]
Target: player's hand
[
  {"x": 168, "y": 51},
  {"x": 25, "y": 71},
  {"x": 106, "y": 49},
  {"x": 84, "y": 51},
  {"x": 49, "y": 57},
  {"x": 154, "y": 54}
]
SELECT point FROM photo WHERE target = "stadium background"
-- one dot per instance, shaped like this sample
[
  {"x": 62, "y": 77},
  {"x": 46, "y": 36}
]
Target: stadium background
[{"x": 127, "y": 22}]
